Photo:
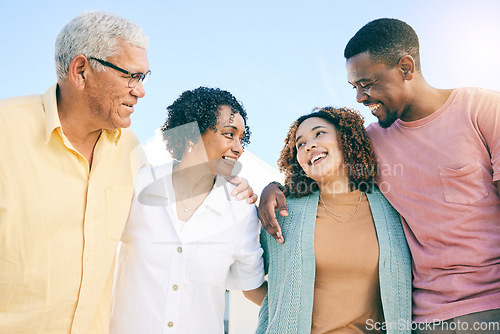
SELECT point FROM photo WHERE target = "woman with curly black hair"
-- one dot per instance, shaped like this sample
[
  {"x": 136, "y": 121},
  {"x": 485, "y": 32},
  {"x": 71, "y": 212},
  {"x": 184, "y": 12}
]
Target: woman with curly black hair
[
  {"x": 345, "y": 266},
  {"x": 187, "y": 240}
]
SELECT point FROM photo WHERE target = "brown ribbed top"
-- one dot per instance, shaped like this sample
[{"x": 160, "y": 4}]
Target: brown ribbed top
[{"x": 347, "y": 289}]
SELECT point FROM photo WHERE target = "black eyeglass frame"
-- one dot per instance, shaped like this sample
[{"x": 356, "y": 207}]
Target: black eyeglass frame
[{"x": 139, "y": 76}]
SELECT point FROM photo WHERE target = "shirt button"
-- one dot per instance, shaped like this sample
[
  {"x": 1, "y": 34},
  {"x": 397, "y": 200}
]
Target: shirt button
[
  {"x": 175, "y": 287},
  {"x": 179, "y": 249},
  {"x": 170, "y": 324}
]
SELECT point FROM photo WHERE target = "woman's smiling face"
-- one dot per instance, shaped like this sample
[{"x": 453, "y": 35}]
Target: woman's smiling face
[
  {"x": 224, "y": 147},
  {"x": 318, "y": 152}
]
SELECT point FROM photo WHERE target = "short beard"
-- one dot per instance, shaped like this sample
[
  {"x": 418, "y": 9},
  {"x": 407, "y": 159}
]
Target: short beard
[
  {"x": 391, "y": 117},
  {"x": 388, "y": 121}
]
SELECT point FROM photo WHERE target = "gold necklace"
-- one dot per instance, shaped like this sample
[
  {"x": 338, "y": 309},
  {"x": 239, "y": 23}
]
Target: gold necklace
[
  {"x": 195, "y": 200},
  {"x": 180, "y": 200},
  {"x": 178, "y": 196},
  {"x": 186, "y": 209},
  {"x": 349, "y": 217}
]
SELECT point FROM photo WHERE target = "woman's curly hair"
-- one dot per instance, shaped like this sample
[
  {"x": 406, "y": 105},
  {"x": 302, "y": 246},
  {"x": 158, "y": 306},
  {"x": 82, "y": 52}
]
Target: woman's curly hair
[
  {"x": 353, "y": 142},
  {"x": 199, "y": 105}
]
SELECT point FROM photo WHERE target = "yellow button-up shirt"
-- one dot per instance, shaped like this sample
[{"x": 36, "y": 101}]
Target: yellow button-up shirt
[{"x": 59, "y": 222}]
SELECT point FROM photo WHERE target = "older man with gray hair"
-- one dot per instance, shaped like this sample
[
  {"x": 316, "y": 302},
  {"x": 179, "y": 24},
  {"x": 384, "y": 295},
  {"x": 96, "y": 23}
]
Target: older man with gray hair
[
  {"x": 68, "y": 167},
  {"x": 67, "y": 177}
]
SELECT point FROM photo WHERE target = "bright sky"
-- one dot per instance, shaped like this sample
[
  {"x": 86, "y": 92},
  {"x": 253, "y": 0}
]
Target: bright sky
[{"x": 279, "y": 58}]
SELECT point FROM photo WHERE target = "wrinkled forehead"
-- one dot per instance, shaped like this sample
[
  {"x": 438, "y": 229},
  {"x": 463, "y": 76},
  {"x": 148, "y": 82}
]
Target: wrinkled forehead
[{"x": 132, "y": 58}]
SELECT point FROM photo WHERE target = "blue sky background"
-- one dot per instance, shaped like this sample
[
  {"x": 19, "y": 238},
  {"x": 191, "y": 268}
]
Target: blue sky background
[{"x": 279, "y": 58}]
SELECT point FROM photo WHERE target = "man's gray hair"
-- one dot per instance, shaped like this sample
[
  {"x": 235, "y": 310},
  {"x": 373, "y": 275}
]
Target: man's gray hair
[{"x": 94, "y": 34}]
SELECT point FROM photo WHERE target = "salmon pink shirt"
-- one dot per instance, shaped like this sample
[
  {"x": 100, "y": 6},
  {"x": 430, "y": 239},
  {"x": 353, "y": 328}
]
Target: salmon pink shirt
[{"x": 439, "y": 172}]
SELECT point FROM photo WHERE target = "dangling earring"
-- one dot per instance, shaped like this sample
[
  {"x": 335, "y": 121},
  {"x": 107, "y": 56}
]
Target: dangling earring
[{"x": 190, "y": 145}]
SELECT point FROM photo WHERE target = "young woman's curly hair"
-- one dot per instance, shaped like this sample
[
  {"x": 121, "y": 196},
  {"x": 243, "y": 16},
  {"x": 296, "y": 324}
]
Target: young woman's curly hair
[
  {"x": 198, "y": 106},
  {"x": 353, "y": 142}
]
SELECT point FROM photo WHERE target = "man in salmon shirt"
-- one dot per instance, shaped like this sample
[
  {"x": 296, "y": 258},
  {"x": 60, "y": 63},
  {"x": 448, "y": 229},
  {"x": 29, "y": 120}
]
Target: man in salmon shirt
[{"x": 438, "y": 152}]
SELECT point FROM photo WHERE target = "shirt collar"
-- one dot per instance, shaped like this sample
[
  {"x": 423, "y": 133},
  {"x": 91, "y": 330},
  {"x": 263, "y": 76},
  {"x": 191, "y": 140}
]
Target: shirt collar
[
  {"x": 219, "y": 197},
  {"x": 52, "y": 121},
  {"x": 113, "y": 135},
  {"x": 157, "y": 192}
]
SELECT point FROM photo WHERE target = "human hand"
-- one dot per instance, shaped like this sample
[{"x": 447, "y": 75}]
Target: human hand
[
  {"x": 242, "y": 190},
  {"x": 271, "y": 198}
]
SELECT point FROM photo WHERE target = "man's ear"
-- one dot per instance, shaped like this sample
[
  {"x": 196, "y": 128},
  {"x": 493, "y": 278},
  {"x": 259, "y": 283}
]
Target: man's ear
[
  {"x": 78, "y": 69},
  {"x": 407, "y": 66}
]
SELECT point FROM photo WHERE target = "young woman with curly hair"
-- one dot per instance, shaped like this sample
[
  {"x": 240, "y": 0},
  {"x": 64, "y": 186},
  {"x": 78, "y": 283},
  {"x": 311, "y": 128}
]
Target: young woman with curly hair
[
  {"x": 345, "y": 266},
  {"x": 187, "y": 239}
]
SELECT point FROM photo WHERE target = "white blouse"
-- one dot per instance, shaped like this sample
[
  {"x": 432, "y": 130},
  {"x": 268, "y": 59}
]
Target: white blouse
[{"x": 171, "y": 279}]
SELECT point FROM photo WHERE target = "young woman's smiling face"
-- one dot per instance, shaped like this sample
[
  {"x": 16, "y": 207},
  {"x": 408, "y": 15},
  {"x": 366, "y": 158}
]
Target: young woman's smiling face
[{"x": 318, "y": 152}]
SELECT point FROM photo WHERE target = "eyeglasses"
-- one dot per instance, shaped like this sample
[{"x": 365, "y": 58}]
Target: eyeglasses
[{"x": 134, "y": 77}]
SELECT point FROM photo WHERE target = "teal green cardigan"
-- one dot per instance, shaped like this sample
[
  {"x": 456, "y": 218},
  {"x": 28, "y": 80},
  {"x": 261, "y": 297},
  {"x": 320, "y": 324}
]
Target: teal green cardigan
[{"x": 287, "y": 307}]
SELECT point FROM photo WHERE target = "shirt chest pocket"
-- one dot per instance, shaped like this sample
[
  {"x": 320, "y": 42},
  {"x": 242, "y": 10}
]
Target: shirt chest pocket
[
  {"x": 118, "y": 200},
  {"x": 210, "y": 265},
  {"x": 464, "y": 185}
]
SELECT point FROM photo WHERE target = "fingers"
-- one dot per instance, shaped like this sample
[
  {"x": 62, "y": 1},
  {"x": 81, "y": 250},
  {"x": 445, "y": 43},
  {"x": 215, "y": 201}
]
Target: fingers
[
  {"x": 242, "y": 190},
  {"x": 244, "y": 194},
  {"x": 268, "y": 220},
  {"x": 281, "y": 204},
  {"x": 252, "y": 199},
  {"x": 249, "y": 193},
  {"x": 236, "y": 181},
  {"x": 277, "y": 235},
  {"x": 270, "y": 224},
  {"x": 272, "y": 197}
]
